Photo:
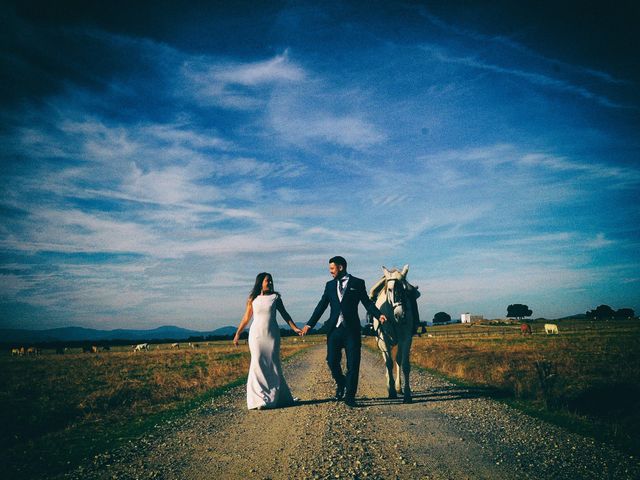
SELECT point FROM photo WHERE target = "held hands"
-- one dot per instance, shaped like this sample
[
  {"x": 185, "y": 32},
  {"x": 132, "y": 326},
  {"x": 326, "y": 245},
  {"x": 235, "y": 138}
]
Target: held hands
[
  {"x": 297, "y": 330},
  {"x": 304, "y": 330}
]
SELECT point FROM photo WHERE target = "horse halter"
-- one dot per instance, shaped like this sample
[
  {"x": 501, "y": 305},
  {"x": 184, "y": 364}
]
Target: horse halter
[{"x": 396, "y": 297}]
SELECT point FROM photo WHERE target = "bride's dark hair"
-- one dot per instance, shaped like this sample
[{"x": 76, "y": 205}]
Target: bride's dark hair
[{"x": 257, "y": 287}]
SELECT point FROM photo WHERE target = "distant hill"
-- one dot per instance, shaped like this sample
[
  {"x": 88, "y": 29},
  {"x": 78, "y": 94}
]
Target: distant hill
[
  {"x": 578, "y": 316},
  {"x": 228, "y": 331},
  {"x": 71, "y": 334}
]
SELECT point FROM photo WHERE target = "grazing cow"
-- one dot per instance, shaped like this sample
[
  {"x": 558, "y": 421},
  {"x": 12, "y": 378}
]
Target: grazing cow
[
  {"x": 551, "y": 328},
  {"x": 194, "y": 345},
  {"x": 33, "y": 351},
  {"x": 140, "y": 347},
  {"x": 15, "y": 351},
  {"x": 175, "y": 345},
  {"x": 94, "y": 349},
  {"x": 525, "y": 329},
  {"x": 22, "y": 351}
]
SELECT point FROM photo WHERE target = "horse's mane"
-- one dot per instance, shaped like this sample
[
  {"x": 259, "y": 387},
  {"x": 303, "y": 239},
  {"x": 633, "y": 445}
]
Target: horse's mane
[{"x": 377, "y": 288}]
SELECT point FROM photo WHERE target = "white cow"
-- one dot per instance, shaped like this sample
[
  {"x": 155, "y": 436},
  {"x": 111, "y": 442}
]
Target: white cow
[
  {"x": 140, "y": 347},
  {"x": 551, "y": 328}
]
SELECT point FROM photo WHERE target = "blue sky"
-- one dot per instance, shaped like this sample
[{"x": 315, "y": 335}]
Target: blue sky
[{"x": 156, "y": 158}]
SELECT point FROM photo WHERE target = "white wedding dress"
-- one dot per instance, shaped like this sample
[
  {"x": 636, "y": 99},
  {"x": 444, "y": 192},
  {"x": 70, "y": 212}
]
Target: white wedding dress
[{"x": 266, "y": 386}]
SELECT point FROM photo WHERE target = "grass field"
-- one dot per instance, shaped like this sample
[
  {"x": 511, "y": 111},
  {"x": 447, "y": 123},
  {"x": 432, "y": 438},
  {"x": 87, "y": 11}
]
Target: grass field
[
  {"x": 586, "y": 378},
  {"x": 57, "y": 410}
]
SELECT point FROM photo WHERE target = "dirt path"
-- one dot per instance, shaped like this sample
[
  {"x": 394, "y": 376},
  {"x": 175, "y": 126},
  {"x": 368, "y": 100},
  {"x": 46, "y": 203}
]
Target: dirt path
[{"x": 447, "y": 433}]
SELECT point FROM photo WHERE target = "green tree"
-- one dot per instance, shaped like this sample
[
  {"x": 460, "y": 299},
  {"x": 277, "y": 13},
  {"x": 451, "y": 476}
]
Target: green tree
[
  {"x": 625, "y": 313},
  {"x": 441, "y": 317},
  {"x": 519, "y": 311},
  {"x": 603, "y": 312}
]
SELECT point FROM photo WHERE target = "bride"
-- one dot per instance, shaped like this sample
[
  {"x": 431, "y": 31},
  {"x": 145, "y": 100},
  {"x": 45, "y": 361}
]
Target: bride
[{"x": 266, "y": 386}]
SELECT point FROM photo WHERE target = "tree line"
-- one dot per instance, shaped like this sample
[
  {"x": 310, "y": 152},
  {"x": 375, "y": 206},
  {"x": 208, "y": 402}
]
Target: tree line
[{"x": 519, "y": 311}]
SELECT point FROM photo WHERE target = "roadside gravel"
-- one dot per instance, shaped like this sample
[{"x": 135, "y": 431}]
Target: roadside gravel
[{"x": 448, "y": 432}]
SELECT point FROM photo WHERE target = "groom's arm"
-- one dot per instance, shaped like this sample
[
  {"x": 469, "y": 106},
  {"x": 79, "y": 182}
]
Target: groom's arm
[
  {"x": 369, "y": 306},
  {"x": 319, "y": 310}
]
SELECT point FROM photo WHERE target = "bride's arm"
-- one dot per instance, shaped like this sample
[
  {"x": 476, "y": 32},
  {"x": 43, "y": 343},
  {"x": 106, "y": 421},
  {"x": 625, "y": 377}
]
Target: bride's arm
[
  {"x": 243, "y": 323},
  {"x": 286, "y": 316}
]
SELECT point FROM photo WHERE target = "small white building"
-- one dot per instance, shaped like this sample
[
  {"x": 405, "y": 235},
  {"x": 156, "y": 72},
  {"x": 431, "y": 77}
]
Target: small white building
[{"x": 468, "y": 318}]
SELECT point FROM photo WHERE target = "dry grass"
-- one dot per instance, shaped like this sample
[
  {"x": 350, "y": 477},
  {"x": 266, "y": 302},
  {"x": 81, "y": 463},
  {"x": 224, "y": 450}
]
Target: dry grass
[
  {"x": 593, "y": 369},
  {"x": 48, "y": 399}
]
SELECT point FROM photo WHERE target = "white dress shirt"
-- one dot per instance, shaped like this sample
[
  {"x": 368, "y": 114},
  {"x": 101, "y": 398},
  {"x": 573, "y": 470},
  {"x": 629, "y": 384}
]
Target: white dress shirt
[{"x": 344, "y": 280}]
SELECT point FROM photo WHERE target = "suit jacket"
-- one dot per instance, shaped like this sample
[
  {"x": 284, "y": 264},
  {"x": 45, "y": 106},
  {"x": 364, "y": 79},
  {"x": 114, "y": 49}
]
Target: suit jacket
[{"x": 354, "y": 293}]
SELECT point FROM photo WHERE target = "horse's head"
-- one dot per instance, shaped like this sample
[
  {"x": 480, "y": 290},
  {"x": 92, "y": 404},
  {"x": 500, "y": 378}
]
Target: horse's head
[{"x": 395, "y": 288}]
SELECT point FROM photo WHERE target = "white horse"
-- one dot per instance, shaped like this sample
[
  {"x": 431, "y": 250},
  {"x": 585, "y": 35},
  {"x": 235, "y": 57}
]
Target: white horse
[{"x": 395, "y": 297}]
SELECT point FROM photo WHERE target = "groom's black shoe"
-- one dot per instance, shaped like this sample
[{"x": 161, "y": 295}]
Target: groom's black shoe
[
  {"x": 339, "y": 392},
  {"x": 350, "y": 402}
]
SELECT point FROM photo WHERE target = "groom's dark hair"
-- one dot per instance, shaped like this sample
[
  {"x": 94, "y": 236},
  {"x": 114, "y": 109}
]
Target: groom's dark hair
[{"x": 338, "y": 260}]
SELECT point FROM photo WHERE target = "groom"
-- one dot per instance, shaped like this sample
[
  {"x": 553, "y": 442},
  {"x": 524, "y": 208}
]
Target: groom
[{"x": 343, "y": 293}]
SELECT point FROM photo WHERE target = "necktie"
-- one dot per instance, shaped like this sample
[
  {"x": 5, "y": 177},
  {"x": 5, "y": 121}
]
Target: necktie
[{"x": 341, "y": 286}]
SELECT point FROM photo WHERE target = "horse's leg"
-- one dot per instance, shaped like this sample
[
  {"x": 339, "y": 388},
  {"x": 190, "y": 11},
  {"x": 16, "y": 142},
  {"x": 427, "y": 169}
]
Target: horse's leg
[
  {"x": 388, "y": 362},
  {"x": 406, "y": 369},
  {"x": 396, "y": 363}
]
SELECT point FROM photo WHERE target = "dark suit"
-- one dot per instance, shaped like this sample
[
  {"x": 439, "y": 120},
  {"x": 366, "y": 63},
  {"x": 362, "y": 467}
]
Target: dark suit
[{"x": 347, "y": 335}]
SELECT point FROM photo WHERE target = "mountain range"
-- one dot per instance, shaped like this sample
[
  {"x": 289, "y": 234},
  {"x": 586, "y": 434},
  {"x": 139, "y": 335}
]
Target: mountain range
[{"x": 70, "y": 334}]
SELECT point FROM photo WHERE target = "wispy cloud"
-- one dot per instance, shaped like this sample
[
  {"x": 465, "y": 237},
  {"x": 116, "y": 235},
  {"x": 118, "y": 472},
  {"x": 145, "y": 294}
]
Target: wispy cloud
[
  {"x": 536, "y": 78},
  {"x": 614, "y": 176},
  {"x": 600, "y": 241},
  {"x": 315, "y": 116},
  {"x": 456, "y": 166},
  {"x": 238, "y": 85},
  {"x": 277, "y": 69},
  {"x": 510, "y": 43}
]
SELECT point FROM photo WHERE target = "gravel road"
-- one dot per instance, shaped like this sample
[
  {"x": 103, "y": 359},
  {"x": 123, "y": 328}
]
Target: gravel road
[{"x": 448, "y": 432}]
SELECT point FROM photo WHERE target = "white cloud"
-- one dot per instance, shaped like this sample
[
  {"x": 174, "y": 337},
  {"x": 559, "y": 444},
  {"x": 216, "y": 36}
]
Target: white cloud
[
  {"x": 616, "y": 176},
  {"x": 600, "y": 241},
  {"x": 299, "y": 125},
  {"x": 277, "y": 69},
  {"x": 238, "y": 85},
  {"x": 171, "y": 185},
  {"x": 181, "y": 135}
]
